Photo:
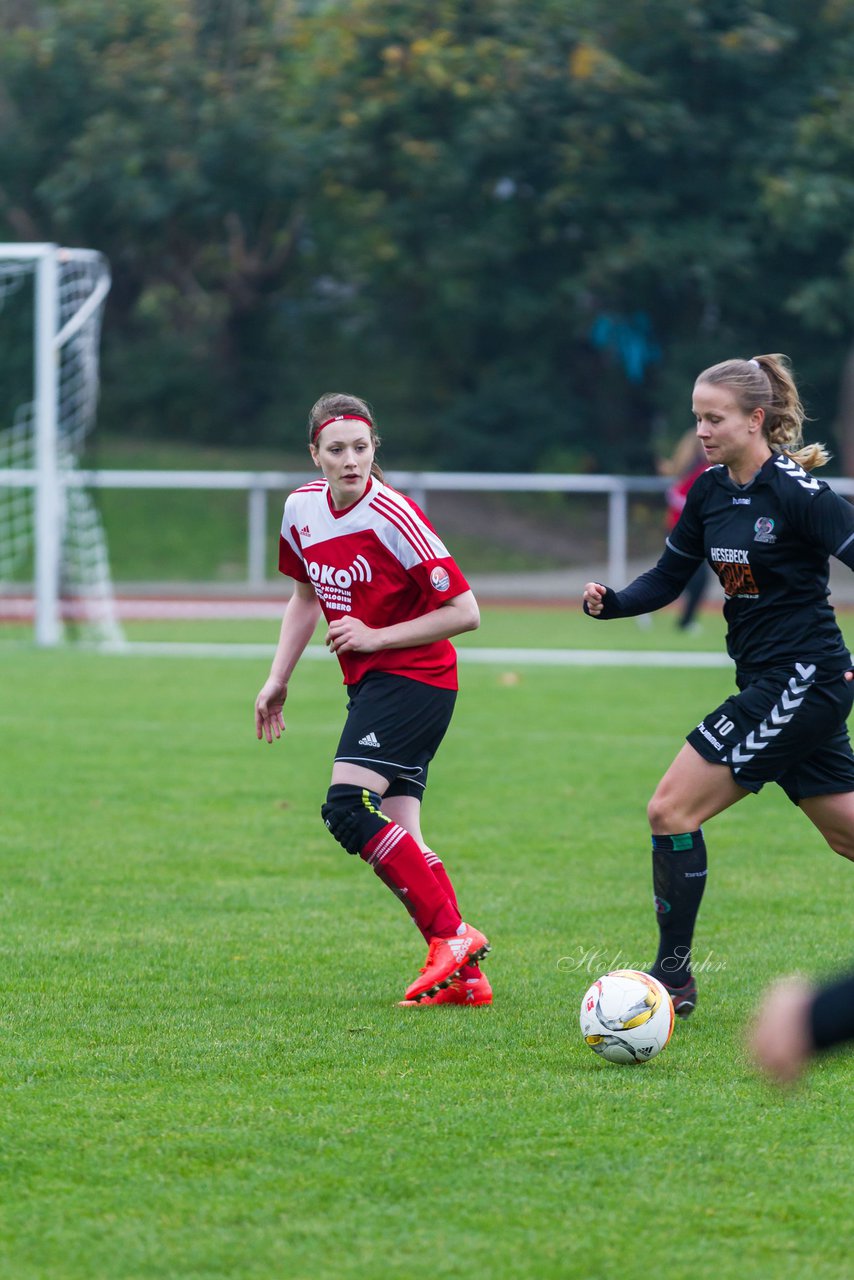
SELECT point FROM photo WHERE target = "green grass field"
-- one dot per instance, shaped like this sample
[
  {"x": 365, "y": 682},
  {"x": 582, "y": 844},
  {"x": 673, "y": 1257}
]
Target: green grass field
[
  {"x": 203, "y": 1070},
  {"x": 502, "y": 626}
]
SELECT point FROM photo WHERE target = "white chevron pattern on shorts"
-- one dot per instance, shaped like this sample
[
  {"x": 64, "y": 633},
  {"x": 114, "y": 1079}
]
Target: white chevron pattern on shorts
[{"x": 790, "y": 699}]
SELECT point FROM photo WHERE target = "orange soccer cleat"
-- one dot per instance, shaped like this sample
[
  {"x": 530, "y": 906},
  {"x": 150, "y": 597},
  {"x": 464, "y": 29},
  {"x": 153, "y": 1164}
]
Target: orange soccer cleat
[
  {"x": 469, "y": 991},
  {"x": 445, "y": 956}
]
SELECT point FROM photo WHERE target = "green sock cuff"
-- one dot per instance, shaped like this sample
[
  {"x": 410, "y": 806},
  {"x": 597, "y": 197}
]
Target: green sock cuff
[{"x": 678, "y": 843}]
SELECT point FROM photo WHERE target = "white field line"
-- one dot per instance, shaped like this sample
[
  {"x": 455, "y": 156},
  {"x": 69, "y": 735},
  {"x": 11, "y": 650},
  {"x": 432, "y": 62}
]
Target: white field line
[{"x": 20, "y": 608}]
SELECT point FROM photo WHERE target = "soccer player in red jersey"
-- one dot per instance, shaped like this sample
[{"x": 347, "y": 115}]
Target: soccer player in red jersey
[{"x": 367, "y": 558}]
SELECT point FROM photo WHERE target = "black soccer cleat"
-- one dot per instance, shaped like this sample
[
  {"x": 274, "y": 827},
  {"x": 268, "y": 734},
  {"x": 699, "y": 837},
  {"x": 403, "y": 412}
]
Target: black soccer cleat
[{"x": 684, "y": 998}]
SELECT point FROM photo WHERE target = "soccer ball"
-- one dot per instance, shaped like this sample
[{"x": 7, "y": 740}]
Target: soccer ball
[{"x": 626, "y": 1016}]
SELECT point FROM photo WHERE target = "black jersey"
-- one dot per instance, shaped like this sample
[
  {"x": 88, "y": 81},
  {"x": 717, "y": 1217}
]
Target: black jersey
[
  {"x": 769, "y": 542},
  {"x": 832, "y": 1013}
]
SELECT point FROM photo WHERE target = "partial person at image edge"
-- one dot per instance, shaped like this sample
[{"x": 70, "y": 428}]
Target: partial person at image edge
[{"x": 797, "y": 1022}]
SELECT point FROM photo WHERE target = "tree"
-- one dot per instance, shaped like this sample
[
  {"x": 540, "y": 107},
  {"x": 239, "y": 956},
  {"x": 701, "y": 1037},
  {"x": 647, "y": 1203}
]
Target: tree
[
  {"x": 810, "y": 205},
  {"x": 562, "y": 211},
  {"x": 161, "y": 134},
  {"x": 520, "y": 229}
]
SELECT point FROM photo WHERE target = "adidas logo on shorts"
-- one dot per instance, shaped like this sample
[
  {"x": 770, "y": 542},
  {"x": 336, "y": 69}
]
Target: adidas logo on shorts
[{"x": 369, "y": 740}]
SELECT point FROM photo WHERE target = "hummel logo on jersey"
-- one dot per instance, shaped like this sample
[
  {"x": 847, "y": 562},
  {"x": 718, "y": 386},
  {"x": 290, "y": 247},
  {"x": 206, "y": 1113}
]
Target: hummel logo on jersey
[{"x": 369, "y": 740}]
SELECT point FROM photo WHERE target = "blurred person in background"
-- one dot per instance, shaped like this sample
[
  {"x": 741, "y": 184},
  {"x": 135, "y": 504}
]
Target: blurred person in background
[
  {"x": 685, "y": 465},
  {"x": 368, "y": 559},
  {"x": 767, "y": 526}
]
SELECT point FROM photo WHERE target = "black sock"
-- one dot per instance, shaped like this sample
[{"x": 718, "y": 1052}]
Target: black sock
[{"x": 679, "y": 878}]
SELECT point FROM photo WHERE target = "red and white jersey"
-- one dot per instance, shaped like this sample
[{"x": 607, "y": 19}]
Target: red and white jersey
[{"x": 379, "y": 559}]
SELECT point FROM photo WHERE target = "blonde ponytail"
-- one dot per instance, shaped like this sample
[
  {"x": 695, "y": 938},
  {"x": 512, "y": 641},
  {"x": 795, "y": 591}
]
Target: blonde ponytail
[{"x": 766, "y": 382}]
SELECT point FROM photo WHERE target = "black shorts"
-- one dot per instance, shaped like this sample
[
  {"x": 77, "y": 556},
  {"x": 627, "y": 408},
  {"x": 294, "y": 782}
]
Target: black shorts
[
  {"x": 394, "y": 727},
  {"x": 786, "y": 726}
]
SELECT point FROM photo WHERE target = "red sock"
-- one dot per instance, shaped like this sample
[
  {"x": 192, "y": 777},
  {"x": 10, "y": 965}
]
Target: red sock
[
  {"x": 437, "y": 866},
  {"x": 398, "y": 861}
]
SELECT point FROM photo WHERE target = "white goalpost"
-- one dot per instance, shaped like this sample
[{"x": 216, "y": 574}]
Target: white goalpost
[{"x": 52, "y": 302}]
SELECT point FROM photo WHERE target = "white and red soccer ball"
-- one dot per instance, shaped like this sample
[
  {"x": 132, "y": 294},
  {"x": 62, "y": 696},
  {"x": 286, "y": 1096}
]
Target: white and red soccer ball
[{"x": 626, "y": 1016}]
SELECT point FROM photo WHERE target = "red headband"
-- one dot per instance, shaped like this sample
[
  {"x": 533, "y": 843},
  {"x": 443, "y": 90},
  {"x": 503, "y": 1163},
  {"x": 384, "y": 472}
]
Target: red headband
[{"x": 340, "y": 417}]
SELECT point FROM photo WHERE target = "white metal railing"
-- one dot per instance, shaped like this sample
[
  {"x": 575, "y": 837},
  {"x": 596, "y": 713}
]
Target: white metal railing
[{"x": 418, "y": 484}]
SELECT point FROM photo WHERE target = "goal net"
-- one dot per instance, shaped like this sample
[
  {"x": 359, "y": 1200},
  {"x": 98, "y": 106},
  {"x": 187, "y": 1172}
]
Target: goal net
[{"x": 51, "y": 308}]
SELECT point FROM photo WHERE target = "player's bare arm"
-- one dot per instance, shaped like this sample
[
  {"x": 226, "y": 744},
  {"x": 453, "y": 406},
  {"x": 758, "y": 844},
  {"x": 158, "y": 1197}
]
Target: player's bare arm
[
  {"x": 781, "y": 1039},
  {"x": 348, "y": 634},
  {"x": 298, "y": 624}
]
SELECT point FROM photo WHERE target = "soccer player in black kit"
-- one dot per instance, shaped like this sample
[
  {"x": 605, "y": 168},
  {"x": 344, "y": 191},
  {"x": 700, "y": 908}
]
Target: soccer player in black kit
[{"x": 767, "y": 527}]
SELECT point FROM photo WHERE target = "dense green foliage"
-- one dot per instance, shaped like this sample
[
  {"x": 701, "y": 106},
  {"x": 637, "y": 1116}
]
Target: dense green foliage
[
  {"x": 519, "y": 229},
  {"x": 203, "y": 1072}
]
